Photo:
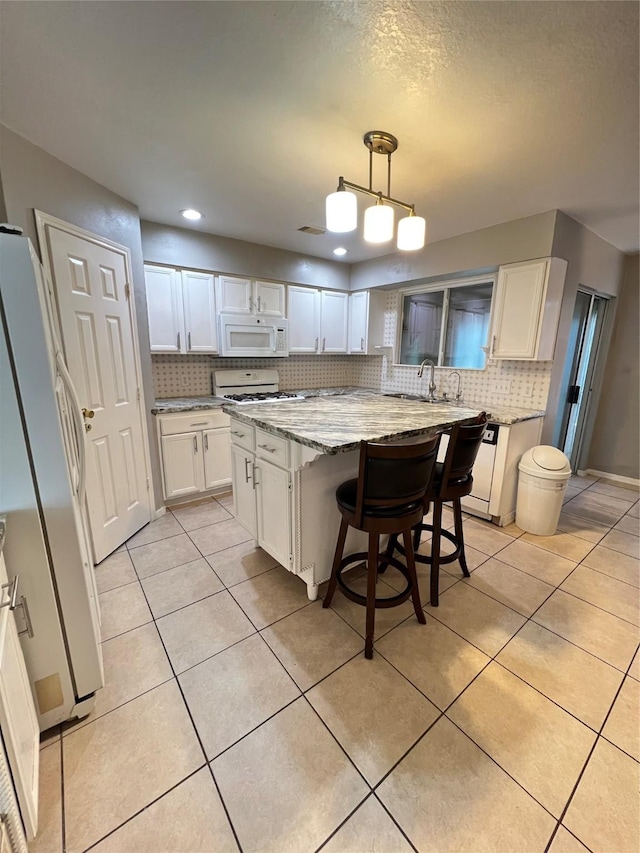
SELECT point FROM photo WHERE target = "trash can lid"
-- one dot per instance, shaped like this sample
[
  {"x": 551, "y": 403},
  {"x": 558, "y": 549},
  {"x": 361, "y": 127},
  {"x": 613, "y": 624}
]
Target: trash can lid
[{"x": 546, "y": 462}]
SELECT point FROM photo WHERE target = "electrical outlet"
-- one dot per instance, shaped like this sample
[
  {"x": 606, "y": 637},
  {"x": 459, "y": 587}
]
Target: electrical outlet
[
  {"x": 184, "y": 381},
  {"x": 501, "y": 387},
  {"x": 527, "y": 389}
]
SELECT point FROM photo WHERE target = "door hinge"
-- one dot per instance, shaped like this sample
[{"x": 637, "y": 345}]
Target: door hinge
[
  {"x": 290, "y": 486},
  {"x": 127, "y": 291},
  {"x": 138, "y": 394},
  {"x": 148, "y": 485}
]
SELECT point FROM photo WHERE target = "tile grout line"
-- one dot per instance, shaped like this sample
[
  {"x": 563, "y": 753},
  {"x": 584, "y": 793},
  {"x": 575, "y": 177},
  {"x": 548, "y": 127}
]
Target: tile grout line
[{"x": 599, "y": 737}]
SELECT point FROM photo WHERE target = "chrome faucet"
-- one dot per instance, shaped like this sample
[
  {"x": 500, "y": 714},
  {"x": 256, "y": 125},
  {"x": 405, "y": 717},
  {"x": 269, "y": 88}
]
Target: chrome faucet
[
  {"x": 432, "y": 384},
  {"x": 459, "y": 388}
]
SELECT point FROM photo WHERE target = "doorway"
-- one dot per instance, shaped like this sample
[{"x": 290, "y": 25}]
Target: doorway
[{"x": 584, "y": 343}]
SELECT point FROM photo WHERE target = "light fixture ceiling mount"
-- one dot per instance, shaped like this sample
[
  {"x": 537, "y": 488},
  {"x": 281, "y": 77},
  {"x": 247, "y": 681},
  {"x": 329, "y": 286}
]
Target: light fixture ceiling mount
[{"x": 342, "y": 206}]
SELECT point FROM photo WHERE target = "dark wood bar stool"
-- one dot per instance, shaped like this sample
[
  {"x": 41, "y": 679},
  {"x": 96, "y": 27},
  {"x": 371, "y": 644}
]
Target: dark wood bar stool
[
  {"x": 453, "y": 479},
  {"x": 386, "y": 498}
]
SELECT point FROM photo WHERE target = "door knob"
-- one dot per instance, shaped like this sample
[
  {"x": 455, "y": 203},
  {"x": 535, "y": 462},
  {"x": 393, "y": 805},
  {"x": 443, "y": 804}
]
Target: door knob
[{"x": 88, "y": 413}]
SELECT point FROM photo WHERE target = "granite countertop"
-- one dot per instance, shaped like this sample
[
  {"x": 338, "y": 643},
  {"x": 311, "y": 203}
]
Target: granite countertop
[
  {"x": 507, "y": 414},
  {"x": 500, "y": 414},
  {"x": 185, "y": 404},
  {"x": 338, "y": 423}
]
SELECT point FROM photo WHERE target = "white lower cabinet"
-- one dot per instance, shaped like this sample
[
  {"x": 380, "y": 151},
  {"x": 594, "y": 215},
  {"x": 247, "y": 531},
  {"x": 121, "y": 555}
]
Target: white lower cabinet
[
  {"x": 217, "y": 458},
  {"x": 182, "y": 464},
  {"x": 273, "y": 499},
  {"x": 195, "y": 450},
  {"x": 262, "y": 489},
  {"x": 244, "y": 494}
]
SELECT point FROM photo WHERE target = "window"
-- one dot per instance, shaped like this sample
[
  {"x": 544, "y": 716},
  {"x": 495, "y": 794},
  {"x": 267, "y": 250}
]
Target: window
[{"x": 448, "y": 325}]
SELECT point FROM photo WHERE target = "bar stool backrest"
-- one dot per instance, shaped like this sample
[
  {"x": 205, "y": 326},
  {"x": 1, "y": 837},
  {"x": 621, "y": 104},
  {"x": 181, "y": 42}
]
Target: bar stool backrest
[
  {"x": 464, "y": 444},
  {"x": 393, "y": 475}
]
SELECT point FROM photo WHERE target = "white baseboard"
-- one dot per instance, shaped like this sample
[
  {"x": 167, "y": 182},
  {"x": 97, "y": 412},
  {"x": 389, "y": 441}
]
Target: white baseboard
[
  {"x": 616, "y": 478},
  {"x": 159, "y": 513}
]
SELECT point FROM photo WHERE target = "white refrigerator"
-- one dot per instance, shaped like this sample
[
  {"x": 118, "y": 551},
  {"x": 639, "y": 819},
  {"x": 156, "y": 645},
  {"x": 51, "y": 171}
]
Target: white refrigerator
[{"x": 42, "y": 495}]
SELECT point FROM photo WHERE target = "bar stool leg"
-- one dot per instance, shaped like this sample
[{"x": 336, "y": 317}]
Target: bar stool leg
[
  {"x": 413, "y": 577},
  {"x": 435, "y": 551},
  {"x": 372, "y": 577},
  {"x": 417, "y": 533},
  {"x": 333, "y": 581},
  {"x": 457, "y": 517},
  {"x": 391, "y": 547}
]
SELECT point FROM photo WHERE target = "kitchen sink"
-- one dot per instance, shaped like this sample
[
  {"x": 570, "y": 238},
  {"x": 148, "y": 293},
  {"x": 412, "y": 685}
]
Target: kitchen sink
[{"x": 417, "y": 398}]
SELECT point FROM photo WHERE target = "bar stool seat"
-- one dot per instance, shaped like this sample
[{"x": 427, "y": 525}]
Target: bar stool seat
[{"x": 387, "y": 497}]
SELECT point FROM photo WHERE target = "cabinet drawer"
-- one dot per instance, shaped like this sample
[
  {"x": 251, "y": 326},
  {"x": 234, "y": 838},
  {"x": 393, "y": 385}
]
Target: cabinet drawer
[
  {"x": 272, "y": 447},
  {"x": 242, "y": 434},
  {"x": 192, "y": 421}
]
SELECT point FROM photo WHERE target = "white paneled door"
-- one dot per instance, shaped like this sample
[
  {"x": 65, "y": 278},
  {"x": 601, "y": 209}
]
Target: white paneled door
[{"x": 96, "y": 321}]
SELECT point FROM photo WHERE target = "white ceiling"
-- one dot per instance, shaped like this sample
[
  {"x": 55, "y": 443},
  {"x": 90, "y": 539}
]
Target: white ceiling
[{"x": 249, "y": 111}]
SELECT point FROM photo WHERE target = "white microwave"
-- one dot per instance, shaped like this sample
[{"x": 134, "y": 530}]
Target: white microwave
[{"x": 253, "y": 337}]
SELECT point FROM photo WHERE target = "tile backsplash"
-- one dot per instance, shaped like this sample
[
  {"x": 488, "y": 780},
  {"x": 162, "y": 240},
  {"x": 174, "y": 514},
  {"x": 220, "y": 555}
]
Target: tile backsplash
[{"x": 517, "y": 383}]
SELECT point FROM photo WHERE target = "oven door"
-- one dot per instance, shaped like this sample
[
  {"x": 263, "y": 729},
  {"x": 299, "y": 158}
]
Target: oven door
[{"x": 252, "y": 337}]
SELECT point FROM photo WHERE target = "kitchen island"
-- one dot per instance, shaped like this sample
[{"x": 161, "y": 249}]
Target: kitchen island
[{"x": 289, "y": 457}]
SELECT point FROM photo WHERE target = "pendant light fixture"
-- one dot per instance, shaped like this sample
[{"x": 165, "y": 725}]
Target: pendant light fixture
[{"x": 342, "y": 206}]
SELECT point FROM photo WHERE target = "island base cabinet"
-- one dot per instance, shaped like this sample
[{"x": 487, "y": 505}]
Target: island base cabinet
[
  {"x": 217, "y": 458},
  {"x": 244, "y": 495},
  {"x": 273, "y": 504},
  {"x": 182, "y": 464}
]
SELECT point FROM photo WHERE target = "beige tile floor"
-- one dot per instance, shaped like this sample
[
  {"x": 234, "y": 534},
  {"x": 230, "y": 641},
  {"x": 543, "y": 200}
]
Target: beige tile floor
[{"x": 237, "y": 715}]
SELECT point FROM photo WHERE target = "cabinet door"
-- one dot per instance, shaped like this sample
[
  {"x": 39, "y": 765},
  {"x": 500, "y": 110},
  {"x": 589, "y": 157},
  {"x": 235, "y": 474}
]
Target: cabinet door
[
  {"x": 198, "y": 296},
  {"x": 217, "y": 457},
  {"x": 274, "y": 511},
  {"x": 244, "y": 495},
  {"x": 164, "y": 309},
  {"x": 518, "y": 309},
  {"x": 304, "y": 319},
  {"x": 269, "y": 298},
  {"x": 20, "y": 730},
  {"x": 333, "y": 321},
  {"x": 234, "y": 295},
  {"x": 182, "y": 464},
  {"x": 358, "y": 321}
]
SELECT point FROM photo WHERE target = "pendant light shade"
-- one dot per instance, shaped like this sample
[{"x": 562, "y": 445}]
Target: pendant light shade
[
  {"x": 411, "y": 232},
  {"x": 378, "y": 223},
  {"x": 342, "y": 212}
]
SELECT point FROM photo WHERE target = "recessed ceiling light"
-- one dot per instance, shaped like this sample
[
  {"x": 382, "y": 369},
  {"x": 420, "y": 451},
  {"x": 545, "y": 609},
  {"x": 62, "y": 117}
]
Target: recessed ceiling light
[
  {"x": 339, "y": 251},
  {"x": 189, "y": 213}
]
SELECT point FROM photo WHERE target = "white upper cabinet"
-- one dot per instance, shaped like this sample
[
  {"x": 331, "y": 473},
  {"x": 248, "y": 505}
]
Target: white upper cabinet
[
  {"x": 526, "y": 310},
  {"x": 181, "y": 310},
  {"x": 366, "y": 321},
  {"x": 164, "y": 308},
  {"x": 198, "y": 296},
  {"x": 333, "y": 321},
  {"x": 235, "y": 295},
  {"x": 245, "y": 296},
  {"x": 304, "y": 319},
  {"x": 269, "y": 298}
]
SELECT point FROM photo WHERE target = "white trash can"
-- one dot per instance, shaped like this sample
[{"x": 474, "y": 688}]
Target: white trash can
[{"x": 544, "y": 472}]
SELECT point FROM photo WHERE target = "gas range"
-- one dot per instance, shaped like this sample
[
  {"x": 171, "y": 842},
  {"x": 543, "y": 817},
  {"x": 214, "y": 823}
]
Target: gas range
[{"x": 244, "y": 387}]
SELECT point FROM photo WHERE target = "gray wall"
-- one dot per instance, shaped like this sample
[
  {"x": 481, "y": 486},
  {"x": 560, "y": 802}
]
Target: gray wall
[
  {"x": 615, "y": 444},
  {"x": 594, "y": 264},
  {"x": 483, "y": 250},
  {"x": 33, "y": 179},
  {"x": 185, "y": 247}
]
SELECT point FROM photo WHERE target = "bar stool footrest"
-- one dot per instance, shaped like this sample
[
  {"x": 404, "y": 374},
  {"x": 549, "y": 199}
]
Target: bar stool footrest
[
  {"x": 361, "y": 557},
  {"x": 444, "y": 558}
]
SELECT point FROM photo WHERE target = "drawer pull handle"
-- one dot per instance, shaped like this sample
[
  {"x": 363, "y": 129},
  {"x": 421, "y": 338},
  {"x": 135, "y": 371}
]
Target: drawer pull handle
[
  {"x": 201, "y": 423},
  {"x": 12, "y": 592},
  {"x": 255, "y": 482},
  {"x": 316, "y": 346},
  {"x": 206, "y": 441},
  {"x": 267, "y": 448},
  {"x": 361, "y": 344},
  {"x": 195, "y": 443},
  {"x": 178, "y": 341},
  {"x": 189, "y": 341},
  {"x": 247, "y": 463},
  {"x": 324, "y": 342},
  {"x": 235, "y": 432}
]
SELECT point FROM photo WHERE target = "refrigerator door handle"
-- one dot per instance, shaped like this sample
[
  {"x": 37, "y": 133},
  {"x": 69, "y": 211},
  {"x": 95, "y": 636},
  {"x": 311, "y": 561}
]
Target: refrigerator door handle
[{"x": 79, "y": 424}]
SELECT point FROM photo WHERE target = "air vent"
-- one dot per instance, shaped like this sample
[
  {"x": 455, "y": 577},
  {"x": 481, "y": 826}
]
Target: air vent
[{"x": 312, "y": 229}]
